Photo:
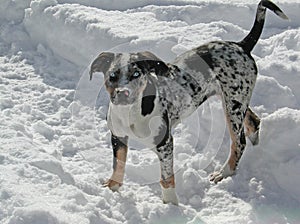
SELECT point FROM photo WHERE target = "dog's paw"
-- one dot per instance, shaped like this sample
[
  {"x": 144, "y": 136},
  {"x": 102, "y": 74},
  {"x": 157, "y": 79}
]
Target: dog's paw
[
  {"x": 217, "y": 176},
  {"x": 169, "y": 196},
  {"x": 112, "y": 185}
]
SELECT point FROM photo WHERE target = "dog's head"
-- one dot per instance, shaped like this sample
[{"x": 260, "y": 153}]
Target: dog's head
[{"x": 127, "y": 75}]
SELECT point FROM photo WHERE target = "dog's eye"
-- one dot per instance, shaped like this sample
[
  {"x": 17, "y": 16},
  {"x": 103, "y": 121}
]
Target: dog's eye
[
  {"x": 136, "y": 74},
  {"x": 112, "y": 76}
]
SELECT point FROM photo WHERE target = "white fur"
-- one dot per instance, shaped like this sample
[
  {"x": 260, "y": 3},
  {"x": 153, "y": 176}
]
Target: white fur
[
  {"x": 125, "y": 59},
  {"x": 226, "y": 171},
  {"x": 223, "y": 173},
  {"x": 127, "y": 120},
  {"x": 253, "y": 137},
  {"x": 169, "y": 195},
  {"x": 115, "y": 187}
]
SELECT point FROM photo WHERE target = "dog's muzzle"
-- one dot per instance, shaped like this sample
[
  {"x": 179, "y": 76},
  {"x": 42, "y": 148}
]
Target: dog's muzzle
[{"x": 122, "y": 96}]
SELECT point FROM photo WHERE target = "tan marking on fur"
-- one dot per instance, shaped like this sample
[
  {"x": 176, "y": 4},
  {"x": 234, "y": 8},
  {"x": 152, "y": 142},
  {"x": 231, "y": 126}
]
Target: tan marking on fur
[
  {"x": 141, "y": 90},
  {"x": 110, "y": 90},
  {"x": 113, "y": 185},
  {"x": 169, "y": 182},
  {"x": 248, "y": 122},
  {"x": 233, "y": 148},
  {"x": 118, "y": 174},
  {"x": 232, "y": 158}
]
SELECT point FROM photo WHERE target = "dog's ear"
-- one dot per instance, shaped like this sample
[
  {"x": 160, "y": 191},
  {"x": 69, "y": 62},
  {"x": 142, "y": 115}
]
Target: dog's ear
[
  {"x": 101, "y": 63},
  {"x": 150, "y": 62}
]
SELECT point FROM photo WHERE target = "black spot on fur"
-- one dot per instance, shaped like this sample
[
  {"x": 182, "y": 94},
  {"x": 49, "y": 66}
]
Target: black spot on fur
[
  {"x": 149, "y": 62},
  {"x": 204, "y": 98},
  {"x": 148, "y": 99},
  {"x": 234, "y": 88},
  {"x": 242, "y": 138},
  {"x": 236, "y": 105},
  {"x": 117, "y": 143},
  {"x": 192, "y": 87}
]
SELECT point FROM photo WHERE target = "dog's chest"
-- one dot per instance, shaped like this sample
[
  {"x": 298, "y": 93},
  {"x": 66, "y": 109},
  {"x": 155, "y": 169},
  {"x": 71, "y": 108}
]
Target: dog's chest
[{"x": 127, "y": 120}]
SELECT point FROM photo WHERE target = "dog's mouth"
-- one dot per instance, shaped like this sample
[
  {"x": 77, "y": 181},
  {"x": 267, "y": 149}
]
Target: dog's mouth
[{"x": 122, "y": 96}]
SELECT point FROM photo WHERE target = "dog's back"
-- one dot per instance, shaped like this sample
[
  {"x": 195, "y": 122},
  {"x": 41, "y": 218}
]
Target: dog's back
[{"x": 220, "y": 67}]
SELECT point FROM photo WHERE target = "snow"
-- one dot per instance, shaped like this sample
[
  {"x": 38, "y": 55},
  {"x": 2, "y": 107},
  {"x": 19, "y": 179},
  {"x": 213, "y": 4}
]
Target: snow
[{"x": 54, "y": 143}]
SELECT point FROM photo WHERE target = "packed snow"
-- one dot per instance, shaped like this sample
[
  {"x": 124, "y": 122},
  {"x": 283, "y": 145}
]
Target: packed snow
[{"x": 54, "y": 143}]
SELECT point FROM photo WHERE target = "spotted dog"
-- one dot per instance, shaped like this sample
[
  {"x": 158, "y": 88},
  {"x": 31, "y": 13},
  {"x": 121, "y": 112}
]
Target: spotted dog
[{"x": 148, "y": 97}]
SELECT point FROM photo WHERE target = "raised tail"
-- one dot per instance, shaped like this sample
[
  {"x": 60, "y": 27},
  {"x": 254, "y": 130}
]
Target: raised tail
[{"x": 251, "y": 39}]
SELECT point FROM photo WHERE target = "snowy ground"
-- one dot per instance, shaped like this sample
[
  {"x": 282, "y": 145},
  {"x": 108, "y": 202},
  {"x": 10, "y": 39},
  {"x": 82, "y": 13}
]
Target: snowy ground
[{"x": 54, "y": 143}]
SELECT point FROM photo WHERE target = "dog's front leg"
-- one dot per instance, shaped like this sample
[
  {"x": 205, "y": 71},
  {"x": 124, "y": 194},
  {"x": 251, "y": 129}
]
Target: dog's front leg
[
  {"x": 120, "y": 148},
  {"x": 165, "y": 155}
]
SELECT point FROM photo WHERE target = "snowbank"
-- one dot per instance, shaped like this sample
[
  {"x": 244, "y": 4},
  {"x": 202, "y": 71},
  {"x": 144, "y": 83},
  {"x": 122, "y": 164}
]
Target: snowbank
[
  {"x": 139, "y": 27},
  {"x": 13, "y": 11}
]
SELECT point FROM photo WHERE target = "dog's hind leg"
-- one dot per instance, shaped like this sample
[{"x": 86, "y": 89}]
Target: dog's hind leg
[
  {"x": 252, "y": 122},
  {"x": 235, "y": 112},
  {"x": 120, "y": 148}
]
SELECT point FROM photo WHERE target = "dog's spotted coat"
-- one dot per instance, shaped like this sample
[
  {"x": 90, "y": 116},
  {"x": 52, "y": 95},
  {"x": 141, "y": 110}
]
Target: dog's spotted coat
[{"x": 148, "y": 97}]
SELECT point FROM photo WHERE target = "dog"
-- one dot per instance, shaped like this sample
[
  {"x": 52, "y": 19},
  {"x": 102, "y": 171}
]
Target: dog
[{"x": 148, "y": 97}]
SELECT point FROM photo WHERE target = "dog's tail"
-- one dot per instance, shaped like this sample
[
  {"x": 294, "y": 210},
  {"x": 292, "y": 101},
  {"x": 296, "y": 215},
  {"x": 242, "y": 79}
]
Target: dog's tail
[{"x": 251, "y": 39}]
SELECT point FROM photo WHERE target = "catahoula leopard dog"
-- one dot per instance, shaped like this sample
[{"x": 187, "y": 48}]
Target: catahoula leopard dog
[{"x": 148, "y": 97}]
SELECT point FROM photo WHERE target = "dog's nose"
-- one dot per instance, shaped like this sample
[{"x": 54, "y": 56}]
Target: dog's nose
[{"x": 123, "y": 92}]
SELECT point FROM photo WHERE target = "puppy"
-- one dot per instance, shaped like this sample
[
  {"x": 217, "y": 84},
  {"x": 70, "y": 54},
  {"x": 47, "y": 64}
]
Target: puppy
[{"x": 148, "y": 97}]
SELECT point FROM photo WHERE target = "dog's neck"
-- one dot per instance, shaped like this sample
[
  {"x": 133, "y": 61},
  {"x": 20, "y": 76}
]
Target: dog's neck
[{"x": 139, "y": 120}]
